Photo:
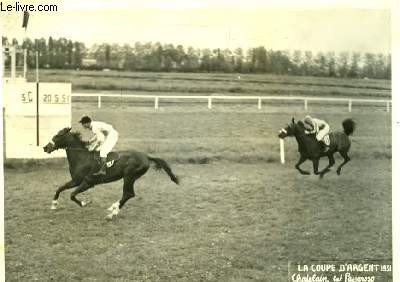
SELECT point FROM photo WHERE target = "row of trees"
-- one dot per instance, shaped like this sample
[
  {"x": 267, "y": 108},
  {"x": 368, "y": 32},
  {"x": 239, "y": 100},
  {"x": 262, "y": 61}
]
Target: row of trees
[
  {"x": 53, "y": 53},
  {"x": 63, "y": 53}
]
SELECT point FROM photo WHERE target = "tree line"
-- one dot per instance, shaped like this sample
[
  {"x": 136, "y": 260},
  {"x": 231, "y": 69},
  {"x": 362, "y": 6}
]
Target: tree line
[{"x": 62, "y": 53}]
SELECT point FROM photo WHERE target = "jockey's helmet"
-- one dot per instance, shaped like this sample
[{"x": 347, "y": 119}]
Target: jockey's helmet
[
  {"x": 309, "y": 123},
  {"x": 85, "y": 119}
]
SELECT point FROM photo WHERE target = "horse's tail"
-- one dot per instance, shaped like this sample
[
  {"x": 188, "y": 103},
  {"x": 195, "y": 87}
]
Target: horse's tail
[
  {"x": 348, "y": 126},
  {"x": 161, "y": 164}
]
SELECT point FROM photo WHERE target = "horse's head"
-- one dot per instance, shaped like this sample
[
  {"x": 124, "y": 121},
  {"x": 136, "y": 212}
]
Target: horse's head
[
  {"x": 59, "y": 141},
  {"x": 292, "y": 129}
]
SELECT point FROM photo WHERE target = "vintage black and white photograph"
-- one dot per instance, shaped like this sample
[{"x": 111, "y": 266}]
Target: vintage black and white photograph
[{"x": 196, "y": 141}]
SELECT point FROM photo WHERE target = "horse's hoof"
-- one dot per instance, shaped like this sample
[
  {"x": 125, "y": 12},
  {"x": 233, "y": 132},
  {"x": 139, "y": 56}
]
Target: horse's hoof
[
  {"x": 84, "y": 204},
  {"x": 338, "y": 172},
  {"x": 113, "y": 206},
  {"x": 54, "y": 204},
  {"x": 109, "y": 216},
  {"x": 305, "y": 172}
]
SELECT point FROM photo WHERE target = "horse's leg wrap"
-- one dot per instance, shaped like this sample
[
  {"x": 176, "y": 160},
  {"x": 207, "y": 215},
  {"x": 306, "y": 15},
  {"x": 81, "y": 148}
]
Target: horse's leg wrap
[
  {"x": 114, "y": 210},
  {"x": 54, "y": 205},
  {"x": 114, "y": 206}
]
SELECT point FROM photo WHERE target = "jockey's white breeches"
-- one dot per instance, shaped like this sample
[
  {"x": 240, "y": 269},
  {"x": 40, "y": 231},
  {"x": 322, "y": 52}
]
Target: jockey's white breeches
[
  {"x": 322, "y": 133},
  {"x": 108, "y": 144}
]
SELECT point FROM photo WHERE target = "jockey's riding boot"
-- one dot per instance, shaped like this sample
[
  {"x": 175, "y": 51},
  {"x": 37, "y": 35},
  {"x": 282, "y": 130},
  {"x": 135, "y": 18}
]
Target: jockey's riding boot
[{"x": 102, "y": 170}]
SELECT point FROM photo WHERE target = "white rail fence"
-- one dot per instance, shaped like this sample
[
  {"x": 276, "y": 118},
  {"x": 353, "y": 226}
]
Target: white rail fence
[{"x": 349, "y": 101}]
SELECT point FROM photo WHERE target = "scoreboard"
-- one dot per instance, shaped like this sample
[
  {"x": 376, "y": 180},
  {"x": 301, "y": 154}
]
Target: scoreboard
[{"x": 33, "y": 114}]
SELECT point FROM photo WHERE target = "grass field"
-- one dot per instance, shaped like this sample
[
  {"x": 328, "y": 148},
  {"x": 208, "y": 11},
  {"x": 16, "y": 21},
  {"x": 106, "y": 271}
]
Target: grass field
[
  {"x": 239, "y": 215},
  {"x": 182, "y": 83}
]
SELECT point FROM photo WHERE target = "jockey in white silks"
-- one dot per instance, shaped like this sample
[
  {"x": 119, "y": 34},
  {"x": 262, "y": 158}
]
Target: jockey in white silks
[
  {"x": 104, "y": 139},
  {"x": 320, "y": 128}
]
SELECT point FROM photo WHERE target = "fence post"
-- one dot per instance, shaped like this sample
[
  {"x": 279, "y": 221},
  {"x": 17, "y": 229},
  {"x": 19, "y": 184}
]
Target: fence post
[
  {"x": 156, "y": 103},
  {"x": 209, "y": 103},
  {"x": 282, "y": 150},
  {"x": 99, "y": 101},
  {"x": 259, "y": 103},
  {"x": 305, "y": 104},
  {"x": 350, "y": 104},
  {"x": 388, "y": 106}
]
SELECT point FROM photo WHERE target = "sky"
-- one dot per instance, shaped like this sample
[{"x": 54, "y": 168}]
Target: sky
[{"x": 279, "y": 25}]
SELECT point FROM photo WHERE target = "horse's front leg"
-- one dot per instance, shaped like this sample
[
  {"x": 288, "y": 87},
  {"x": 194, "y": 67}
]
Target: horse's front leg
[
  {"x": 316, "y": 166},
  {"x": 70, "y": 184},
  {"x": 301, "y": 160},
  {"x": 82, "y": 188}
]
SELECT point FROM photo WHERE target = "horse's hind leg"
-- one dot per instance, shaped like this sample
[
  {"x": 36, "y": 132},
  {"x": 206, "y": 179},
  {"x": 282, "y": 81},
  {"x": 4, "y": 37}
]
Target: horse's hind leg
[
  {"x": 128, "y": 192},
  {"x": 346, "y": 160},
  {"x": 331, "y": 160},
  {"x": 68, "y": 185}
]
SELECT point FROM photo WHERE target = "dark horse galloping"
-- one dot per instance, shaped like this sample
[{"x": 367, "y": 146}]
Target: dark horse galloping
[
  {"x": 82, "y": 164},
  {"x": 310, "y": 148}
]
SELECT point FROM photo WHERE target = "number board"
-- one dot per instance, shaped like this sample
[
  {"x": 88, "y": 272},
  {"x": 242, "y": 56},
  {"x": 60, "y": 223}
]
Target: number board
[
  {"x": 20, "y": 98},
  {"x": 55, "y": 99},
  {"x": 30, "y": 114}
]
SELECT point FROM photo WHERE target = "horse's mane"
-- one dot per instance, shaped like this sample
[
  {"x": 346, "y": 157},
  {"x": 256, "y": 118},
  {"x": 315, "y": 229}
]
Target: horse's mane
[{"x": 78, "y": 137}]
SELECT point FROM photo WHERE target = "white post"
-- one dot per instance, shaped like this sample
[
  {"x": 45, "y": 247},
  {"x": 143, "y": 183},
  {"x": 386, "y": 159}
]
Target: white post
[
  {"x": 156, "y": 103},
  {"x": 209, "y": 103},
  {"x": 388, "y": 106},
  {"x": 350, "y": 103},
  {"x": 99, "y": 101},
  {"x": 305, "y": 104},
  {"x": 259, "y": 103},
  {"x": 282, "y": 150}
]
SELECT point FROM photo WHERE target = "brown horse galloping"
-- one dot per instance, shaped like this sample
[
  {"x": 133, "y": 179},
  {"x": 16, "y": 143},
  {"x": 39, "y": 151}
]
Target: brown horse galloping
[
  {"x": 130, "y": 166},
  {"x": 310, "y": 148}
]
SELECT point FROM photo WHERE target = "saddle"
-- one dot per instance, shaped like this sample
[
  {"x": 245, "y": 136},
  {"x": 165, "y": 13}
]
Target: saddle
[{"x": 111, "y": 158}]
